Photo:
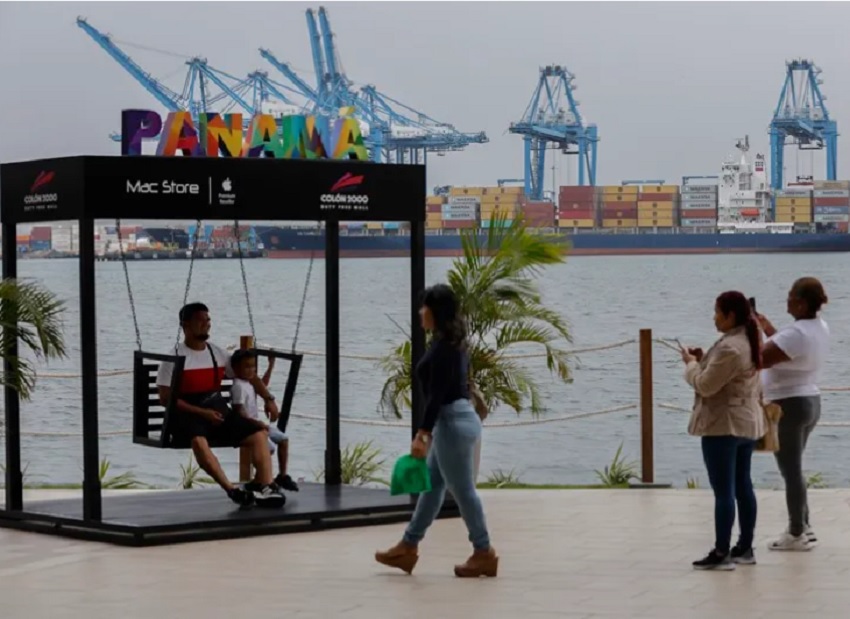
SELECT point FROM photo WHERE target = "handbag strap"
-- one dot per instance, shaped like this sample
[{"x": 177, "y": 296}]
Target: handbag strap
[{"x": 217, "y": 381}]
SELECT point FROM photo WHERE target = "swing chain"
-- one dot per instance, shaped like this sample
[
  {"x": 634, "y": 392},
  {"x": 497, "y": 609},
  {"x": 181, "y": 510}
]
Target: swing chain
[
  {"x": 238, "y": 236},
  {"x": 304, "y": 296},
  {"x": 189, "y": 278},
  {"x": 129, "y": 287}
]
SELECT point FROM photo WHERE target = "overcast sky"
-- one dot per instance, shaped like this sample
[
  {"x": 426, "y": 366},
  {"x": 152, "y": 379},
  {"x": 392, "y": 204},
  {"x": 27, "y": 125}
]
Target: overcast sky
[{"x": 670, "y": 85}]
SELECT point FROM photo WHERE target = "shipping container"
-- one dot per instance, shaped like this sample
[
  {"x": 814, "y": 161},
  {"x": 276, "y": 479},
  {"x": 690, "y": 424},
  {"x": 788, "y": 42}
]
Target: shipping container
[
  {"x": 794, "y": 193},
  {"x": 842, "y": 226},
  {"x": 466, "y": 191},
  {"x": 698, "y": 213},
  {"x": 22, "y": 239},
  {"x": 797, "y": 219},
  {"x": 577, "y": 192},
  {"x": 698, "y": 204},
  {"x": 458, "y": 224},
  {"x": 464, "y": 201},
  {"x": 793, "y": 201},
  {"x": 831, "y": 210},
  {"x": 699, "y": 222},
  {"x": 39, "y": 245},
  {"x": 661, "y": 205},
  {"x": 620, "y": 213},
  {"x": 699, "y": 197},
  {"x": 659, "y": 189},
  {"x": 500, "y": 199},
  {"x": 657, "y": 197},
  {"x": 433, "y": 225},
  {"x": 434, "y": 217},
  {"x": 689, "y": 189},
  {"x": 831, "y": 201},
  {"x": 658, "y": 222},
  {"x": 845, "y": 185},
  {"x": 826, "y": 219},
  {"x": 795, "y": 210},
  {"x": 621, "y": 197},
  {"x": 577, "y": 223},
  {"x": 459, "y": 216},
  {"x": 373, "y": 225},
  {"x": 577, "y": 214},
  {"x": 40, "y": 233},
  {"x": 486, "y": 223},
  {"x": 620, "y": 189},
  {"x": 504, "y": 191},
  {"x": 435, "y": 200},
  {"x": 832, "y": 193},
  {"x": 567, "y": 205},
  {"x": 619, "y": 223},
  {"x": 433, "y": 208},
  {"x": 391, "y": 225}
]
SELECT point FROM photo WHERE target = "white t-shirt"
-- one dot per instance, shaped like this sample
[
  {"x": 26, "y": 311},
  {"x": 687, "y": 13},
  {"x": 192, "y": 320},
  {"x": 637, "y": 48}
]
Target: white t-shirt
[
  {"x": 806, "y": 343},
  {"x": 198, "y": 374},
  {"x": 243, "y": 394}
]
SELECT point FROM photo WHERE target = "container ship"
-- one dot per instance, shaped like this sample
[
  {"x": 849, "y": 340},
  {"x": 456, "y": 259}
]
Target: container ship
[{"x": 734, "y": 212}]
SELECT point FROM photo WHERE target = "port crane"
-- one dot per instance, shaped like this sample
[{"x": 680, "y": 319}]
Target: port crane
[
  {"x": 801, "y": 117},
  {"x": 205, "y": 88},
  {"x": 553, "y": 117},
  {"x": 396, "y": 132}
]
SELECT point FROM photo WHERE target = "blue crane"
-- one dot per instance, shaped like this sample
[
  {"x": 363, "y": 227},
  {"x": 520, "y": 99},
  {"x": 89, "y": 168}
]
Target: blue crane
[
  {"x": 801, "y": 115},
  {"x": 547, "y": 120},
  {"x": 205, "y": 89}
]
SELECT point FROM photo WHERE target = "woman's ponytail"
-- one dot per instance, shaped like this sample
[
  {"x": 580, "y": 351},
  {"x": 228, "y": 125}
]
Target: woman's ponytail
[{"x": 736, "y": 303}]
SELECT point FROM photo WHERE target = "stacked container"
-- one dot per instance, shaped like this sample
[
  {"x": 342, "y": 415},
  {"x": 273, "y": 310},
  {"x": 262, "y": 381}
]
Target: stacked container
[
  {"x": 619, "y": 206},
  {"x": 831, "y": 210},
  {"x": 577, "y": 207},
  {"x": 496, "y": 202},
  {"x": 793, "y": 206},
  {"x": 658, "y": 206},
  {"x": 434, "y": 212},
  {"x": 698, "y": 206},
  {"x": 538, "y": 214},
  {"x": 40, "y": 238},
  {"x": 462, "y": 208}
]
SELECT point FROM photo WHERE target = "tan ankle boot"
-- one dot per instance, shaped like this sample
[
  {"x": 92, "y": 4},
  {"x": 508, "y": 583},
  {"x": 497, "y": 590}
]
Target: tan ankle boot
[
  {"x": 481, "y": 563},
  {"x": 401, "y": 556}
]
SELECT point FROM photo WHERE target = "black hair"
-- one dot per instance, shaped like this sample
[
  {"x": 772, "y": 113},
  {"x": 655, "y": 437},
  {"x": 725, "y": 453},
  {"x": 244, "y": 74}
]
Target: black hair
[
  {"x": 188, "y": 311},
  {"x": 449, "y": 323},
  {"x": 810, "y": 290},
  {"x": 734, "y": 302},
  {"x": 239, "y": 356}
]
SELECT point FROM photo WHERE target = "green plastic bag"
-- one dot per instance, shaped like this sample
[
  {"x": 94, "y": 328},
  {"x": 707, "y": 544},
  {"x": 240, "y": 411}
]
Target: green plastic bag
[{"x": 410, "y": 476}]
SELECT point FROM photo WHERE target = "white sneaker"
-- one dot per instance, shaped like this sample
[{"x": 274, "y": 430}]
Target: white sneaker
[
  {"x": 810, "y": 535},
  {"x": 790, "y": 542}
]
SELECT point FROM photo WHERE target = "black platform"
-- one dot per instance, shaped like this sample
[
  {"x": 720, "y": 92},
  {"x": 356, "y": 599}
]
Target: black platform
[{"x": 170, "y": 517}]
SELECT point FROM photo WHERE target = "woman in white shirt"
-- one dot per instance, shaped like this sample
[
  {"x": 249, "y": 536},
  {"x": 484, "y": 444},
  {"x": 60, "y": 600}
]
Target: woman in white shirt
[{"x": 793, "y": 357}]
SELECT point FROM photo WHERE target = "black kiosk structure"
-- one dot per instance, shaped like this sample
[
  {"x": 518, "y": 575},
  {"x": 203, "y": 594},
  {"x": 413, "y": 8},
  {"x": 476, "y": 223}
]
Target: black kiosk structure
[{"x": 88, "y": 188}]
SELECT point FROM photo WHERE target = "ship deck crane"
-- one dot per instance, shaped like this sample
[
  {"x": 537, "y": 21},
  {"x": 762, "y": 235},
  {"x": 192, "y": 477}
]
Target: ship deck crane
[
  {"x": 802, "y": 117},
  {"x": 547, "y": 120}
]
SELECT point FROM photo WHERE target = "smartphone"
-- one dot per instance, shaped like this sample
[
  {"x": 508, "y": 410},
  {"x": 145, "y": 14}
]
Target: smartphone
[{"x": 753, "y": 303}]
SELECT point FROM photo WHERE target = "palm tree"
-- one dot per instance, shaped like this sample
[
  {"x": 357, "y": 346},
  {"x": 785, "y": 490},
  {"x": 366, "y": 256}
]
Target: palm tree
[
  {"x": 494, "y": 282},
  {"x": 38, "y": 328}
]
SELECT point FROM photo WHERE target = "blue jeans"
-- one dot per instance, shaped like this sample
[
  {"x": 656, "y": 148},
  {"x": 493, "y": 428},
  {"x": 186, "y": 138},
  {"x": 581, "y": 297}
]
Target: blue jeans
[
  {"x": 451, "y": 463},
  {"x": 728, "y": 460}
]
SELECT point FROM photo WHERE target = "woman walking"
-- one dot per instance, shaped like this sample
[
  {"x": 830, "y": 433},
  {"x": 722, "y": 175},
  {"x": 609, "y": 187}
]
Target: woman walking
[
  {"x": 793, "y": 358},
  {"x": 447, "y": 437},
  {"x": 728, "y": 418}
]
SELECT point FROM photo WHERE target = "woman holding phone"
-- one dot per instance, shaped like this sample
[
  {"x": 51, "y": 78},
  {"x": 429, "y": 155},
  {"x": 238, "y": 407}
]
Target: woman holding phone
[{"x": 727, "y": 416}]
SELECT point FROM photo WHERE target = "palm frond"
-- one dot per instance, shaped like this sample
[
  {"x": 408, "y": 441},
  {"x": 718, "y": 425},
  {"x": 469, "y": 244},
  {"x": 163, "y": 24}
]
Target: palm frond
[{"x": 30, "y": 316}]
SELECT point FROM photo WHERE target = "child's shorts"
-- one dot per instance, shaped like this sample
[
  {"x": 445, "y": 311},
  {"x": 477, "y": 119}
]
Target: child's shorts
[{"x": 276, "y": 437}]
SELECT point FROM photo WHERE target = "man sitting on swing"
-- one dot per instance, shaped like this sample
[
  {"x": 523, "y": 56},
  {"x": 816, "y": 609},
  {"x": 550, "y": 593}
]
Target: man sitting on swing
[{"x": 201, "y": 418}]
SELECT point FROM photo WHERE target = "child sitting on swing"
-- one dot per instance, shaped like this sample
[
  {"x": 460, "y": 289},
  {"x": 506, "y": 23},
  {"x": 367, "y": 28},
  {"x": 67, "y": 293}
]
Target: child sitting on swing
[{"x": 244, "y": 402}]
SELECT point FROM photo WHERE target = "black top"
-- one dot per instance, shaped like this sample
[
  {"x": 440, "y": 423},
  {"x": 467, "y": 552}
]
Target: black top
[{"x": 443, "y": 373}]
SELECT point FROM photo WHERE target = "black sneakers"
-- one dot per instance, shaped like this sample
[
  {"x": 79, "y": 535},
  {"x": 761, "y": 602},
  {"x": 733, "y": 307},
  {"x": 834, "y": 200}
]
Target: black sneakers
[
  {"x": 286, "y": 482},
  {"x": 743, "y": 557},
  {"x": 715, "y": 561},
  {"x": 240, "y": 496}
]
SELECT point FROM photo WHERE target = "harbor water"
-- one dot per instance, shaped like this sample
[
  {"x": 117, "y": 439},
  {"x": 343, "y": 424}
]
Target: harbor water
[{"x": 605, "y": 299}]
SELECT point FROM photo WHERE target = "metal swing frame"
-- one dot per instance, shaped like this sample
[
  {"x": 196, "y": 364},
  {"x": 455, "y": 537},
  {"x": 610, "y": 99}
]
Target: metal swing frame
[{"x": 154, "y": 423}]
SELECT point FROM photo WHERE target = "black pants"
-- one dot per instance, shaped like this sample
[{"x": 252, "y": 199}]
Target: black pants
[{"x": 799, "y": 418}]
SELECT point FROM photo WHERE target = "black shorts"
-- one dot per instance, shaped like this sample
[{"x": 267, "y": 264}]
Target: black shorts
[{"x": 229, "y": 433}]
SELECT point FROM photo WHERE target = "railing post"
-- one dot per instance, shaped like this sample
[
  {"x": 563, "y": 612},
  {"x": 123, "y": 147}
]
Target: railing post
[
  {"x": 245, "y": 469},
  {"x": 646, "y": 429}
]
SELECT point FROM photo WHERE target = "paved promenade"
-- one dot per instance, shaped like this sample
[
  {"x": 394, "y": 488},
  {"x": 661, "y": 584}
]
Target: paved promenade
[{"x": 565, "y": 554}]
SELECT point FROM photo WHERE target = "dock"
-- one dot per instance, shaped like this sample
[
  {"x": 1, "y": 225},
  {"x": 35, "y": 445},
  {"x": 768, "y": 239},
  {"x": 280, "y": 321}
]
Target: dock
[{"x": 570, "y": 554}]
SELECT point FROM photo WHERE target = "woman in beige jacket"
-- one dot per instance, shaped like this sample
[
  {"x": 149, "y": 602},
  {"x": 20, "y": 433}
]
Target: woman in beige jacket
[{"x": 728, "y": 416}]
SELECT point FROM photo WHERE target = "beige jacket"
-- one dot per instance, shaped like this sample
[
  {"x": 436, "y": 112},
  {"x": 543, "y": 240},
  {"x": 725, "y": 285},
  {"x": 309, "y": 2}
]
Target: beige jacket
[{"x": 727, "y": 389}]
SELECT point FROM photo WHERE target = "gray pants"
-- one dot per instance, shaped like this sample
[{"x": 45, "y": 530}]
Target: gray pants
[{"x": 799, "y": 418}]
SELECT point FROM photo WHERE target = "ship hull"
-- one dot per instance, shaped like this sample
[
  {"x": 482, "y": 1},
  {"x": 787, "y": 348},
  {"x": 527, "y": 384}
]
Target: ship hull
[{"x": 294, "y": 244}]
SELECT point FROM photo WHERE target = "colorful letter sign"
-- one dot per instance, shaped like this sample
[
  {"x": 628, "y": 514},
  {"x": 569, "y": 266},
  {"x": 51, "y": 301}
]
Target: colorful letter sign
[{"x": 222, "y": 135}]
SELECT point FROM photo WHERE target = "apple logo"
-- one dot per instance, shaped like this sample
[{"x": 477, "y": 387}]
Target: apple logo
[{"x": 226, "y": 185}]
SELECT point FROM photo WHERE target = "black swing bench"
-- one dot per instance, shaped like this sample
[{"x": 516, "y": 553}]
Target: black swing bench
[{"x": 153, "y": 423}]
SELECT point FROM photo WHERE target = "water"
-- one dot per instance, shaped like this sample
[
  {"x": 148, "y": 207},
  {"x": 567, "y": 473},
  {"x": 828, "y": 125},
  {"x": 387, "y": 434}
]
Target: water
[{"x": 606, "y": 299}]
